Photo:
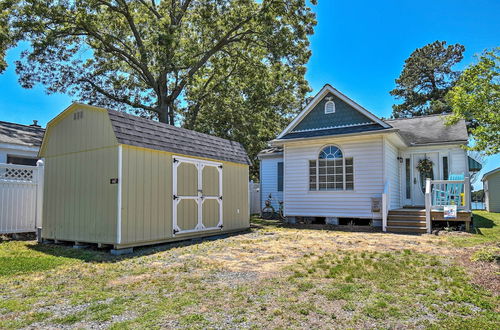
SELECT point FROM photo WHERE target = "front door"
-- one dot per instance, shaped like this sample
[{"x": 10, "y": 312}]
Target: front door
[
  {"x": 419, "y": 178},
  {"x": 197, "y": 198}
]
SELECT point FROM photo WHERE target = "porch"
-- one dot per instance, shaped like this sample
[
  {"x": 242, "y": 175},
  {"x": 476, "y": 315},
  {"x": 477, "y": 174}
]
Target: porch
[{"x": 438, "y": 194}]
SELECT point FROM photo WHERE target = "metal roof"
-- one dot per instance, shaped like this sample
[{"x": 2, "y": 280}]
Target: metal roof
[
  {"x": 333, "y": 131},
  {"x": 141, "y": 132},
  {"x": 23, "y": 135}
]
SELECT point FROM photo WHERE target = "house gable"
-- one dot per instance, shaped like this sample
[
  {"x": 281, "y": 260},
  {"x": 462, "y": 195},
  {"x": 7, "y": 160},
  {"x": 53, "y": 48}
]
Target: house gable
[
  {"x": 347, "y": 117},
  {"x": 344, "y": 116}
]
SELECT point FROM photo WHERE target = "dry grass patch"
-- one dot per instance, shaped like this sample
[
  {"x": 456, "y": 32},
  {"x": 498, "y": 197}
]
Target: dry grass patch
[{"x": 270, "y": 277}]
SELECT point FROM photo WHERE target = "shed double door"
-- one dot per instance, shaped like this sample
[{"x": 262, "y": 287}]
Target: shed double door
[{"x": 197, "y": 195}]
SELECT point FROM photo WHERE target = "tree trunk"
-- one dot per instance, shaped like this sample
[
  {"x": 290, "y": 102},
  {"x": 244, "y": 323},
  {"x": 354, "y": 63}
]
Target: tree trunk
[{"x": 162, "y": 114}]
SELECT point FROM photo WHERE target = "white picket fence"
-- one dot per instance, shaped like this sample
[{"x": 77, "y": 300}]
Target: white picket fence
[
  {"x": 254, "y": 196},
  {"x": 21, "y": 189}
]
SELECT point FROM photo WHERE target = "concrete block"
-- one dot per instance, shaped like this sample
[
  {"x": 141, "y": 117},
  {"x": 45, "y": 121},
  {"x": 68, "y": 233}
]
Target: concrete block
[
  {"x": 121, "y": 252},
  {"x": 332, "y": 221},
  {"x": 80, "y": 246},
  {"x": 291, "y": 220},
  {"x": 39, "y": 238}
]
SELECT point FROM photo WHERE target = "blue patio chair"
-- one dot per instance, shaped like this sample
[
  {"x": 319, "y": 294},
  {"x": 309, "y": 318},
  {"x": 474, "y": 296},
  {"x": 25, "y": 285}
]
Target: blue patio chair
[{"x": 451, "y": 192}]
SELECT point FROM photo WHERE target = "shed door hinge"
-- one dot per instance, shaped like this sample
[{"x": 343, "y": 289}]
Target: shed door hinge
[
  {"x": 175, "y": 231},
  {"x": 175, "y": 197}
]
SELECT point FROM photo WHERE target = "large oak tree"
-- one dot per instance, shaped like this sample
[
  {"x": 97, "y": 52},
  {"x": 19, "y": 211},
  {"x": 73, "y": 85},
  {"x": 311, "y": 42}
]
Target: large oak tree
[{"x": 218, "y": 66}]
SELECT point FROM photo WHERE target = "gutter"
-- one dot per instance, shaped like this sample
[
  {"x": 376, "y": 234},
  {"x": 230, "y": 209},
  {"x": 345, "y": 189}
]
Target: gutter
[
  {"x": 438, "y": 143},
  {"x": 276, "y": 154}
]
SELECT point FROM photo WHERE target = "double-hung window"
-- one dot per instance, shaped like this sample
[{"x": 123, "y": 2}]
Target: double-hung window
[{"x": 331, "y": 170}]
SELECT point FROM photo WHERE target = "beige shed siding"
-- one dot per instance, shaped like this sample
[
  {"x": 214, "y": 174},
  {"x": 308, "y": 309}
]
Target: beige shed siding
[
  {"x": 79, "y": 202},
  {"x": 367, "y": 153},
  {"x": 392, "y": 173},
  {"x": 92, "y": 131},
  {"x": 147, "y": 195},
  {"x": 235, "y": 200},
  {"x": 493, "y": 192}
]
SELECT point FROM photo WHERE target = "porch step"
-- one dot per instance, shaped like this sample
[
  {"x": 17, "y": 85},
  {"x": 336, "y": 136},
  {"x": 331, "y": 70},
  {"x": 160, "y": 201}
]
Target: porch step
[
  {"x": 406, "y": 223},
  {"x": 407, "y": 212},
  {"x": 416, "y": 217},
  {"x": 406, "y": 229}
]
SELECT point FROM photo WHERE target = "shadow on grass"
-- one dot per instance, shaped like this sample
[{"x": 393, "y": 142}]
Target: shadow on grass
[
  {"x": 479, "y": 222},
  {"x": 260, "y": 223},
  {"x": 94, "y": 255}
]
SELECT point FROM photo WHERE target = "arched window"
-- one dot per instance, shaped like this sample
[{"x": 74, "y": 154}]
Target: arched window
[
  {"x": 329, "y": 107},
  {"x": 331, "y": 170}
]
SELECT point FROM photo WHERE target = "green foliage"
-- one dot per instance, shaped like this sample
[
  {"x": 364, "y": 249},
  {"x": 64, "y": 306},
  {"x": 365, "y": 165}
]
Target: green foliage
[
  {"x": 478, "y": 195},
  {"x": 426, "y": 78},
  {"x": 5, "y": 39},
  {"x": 476, "y": 98},
  {"x": 231, "y": 68}
]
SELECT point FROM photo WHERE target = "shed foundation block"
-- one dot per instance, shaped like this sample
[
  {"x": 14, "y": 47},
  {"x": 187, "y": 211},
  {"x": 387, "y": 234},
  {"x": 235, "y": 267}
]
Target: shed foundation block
[
  {"x": 332, "y": 221},
  {"x": 291, "y": 220},
  {"x": 119, "y": 252},
  {"x": 79, "y": 245}
]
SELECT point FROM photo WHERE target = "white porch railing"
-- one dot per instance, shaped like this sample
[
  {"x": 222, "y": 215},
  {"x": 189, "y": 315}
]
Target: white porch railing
[
  {"x": 386, "y": 199},
  {"x": 439, "y": 193},
  {"x": 21, "y": 189}
]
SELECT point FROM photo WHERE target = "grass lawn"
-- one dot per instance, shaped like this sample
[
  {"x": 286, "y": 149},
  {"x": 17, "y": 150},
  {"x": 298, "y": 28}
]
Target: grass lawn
[{"x": 268, "y": 277}]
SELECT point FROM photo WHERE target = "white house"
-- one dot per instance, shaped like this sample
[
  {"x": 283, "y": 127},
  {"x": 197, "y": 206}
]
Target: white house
[
  {"x": 19, "y": 144},
  {"x": 337, "y": 159},
  {"x": 491, "y": 186}
]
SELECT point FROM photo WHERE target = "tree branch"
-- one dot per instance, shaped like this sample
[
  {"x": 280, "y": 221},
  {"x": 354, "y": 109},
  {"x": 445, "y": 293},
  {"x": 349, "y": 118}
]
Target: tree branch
[{"x": 117, "y": 98}]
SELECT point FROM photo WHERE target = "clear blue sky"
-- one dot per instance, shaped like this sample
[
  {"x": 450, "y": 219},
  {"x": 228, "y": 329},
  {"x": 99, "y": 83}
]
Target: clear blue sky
[{"x": 358, "y": 46}]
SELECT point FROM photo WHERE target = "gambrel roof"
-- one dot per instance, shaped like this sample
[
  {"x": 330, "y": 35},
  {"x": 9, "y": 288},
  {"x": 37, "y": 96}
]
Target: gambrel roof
[
  {"x": 146, "y": 133},
  {"x": 140, "y": 132}
]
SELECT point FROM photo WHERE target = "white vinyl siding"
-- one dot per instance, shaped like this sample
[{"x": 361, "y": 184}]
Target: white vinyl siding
[
  {"x": 269, "y": 181},
  {"x": 368, "y": 179},
  {"x": 392, "y": 174}
]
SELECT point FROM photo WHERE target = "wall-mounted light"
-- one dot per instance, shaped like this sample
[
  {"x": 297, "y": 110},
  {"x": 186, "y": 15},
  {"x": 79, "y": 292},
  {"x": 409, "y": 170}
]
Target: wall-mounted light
[{"x": 400, "y": 160}]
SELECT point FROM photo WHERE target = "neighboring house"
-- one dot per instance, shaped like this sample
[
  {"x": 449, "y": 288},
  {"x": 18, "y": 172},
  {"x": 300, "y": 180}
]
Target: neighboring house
[
  {"x": 117, "y": 179},
  {"x": 491, "y": 186},
  {"x": 337, "y": 157},
  {"x": 19, "y": 144}
]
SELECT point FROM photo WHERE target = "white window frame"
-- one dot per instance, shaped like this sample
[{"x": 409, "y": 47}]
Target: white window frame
[{"x": 344, "y": 174}]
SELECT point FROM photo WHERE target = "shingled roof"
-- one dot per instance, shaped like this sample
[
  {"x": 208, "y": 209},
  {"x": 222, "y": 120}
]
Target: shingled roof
[
  {"x": 23, "y": 135},
  {"x": 141, "y": 132},
  {"x": 430, "y": 130}
]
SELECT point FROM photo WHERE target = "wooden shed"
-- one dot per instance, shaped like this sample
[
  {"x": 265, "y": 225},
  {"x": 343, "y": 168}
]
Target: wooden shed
[{"x": 117, "y": 179}]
